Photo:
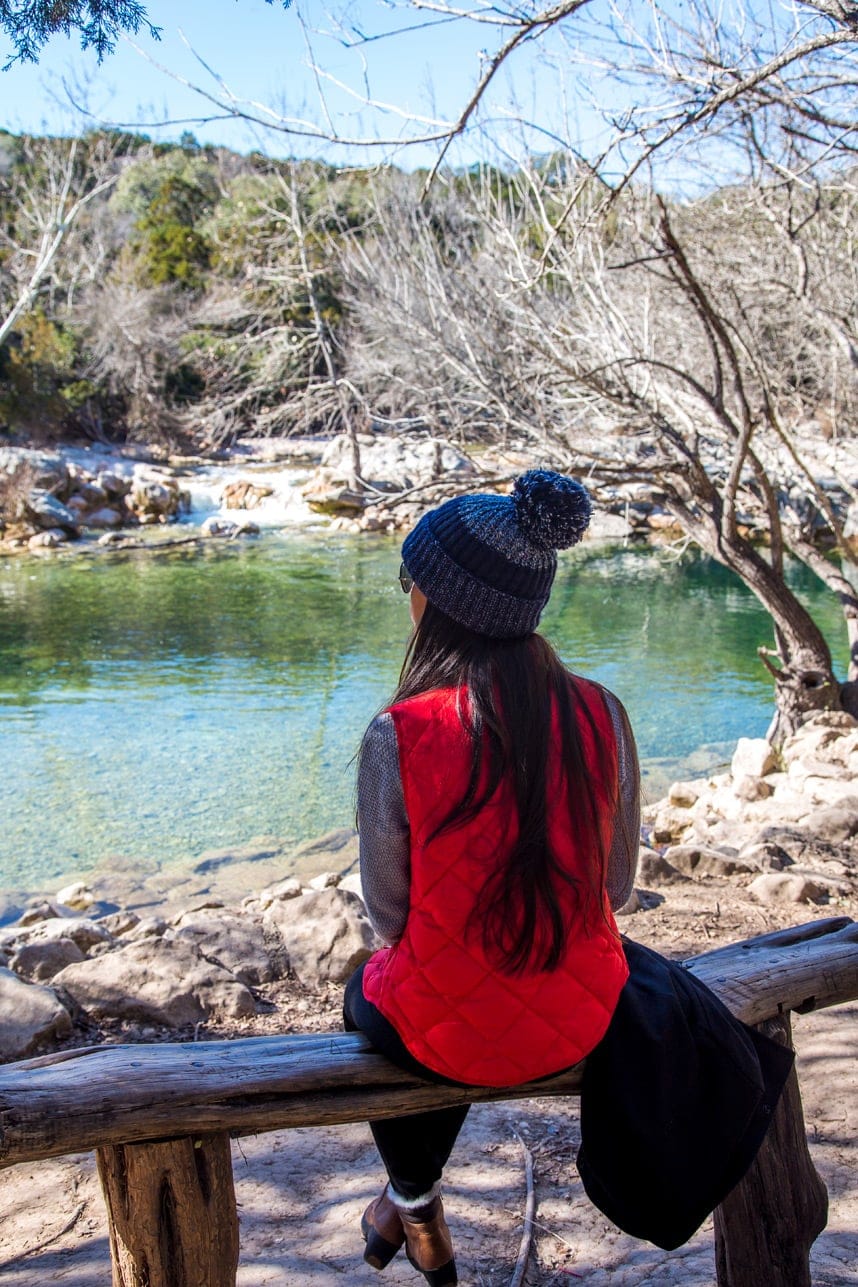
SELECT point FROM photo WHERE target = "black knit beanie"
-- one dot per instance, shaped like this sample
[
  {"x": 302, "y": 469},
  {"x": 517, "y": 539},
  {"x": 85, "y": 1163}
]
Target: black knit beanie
[{"x": 489, "y": 561}]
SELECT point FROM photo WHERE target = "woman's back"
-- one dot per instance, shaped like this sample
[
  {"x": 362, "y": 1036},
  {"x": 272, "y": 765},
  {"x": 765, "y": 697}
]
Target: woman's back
[{"x": 460, "y": 1010}]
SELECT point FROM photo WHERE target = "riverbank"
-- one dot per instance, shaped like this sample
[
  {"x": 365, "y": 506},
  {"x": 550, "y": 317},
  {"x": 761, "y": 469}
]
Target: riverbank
[
  {"x": 53, "y": 500},
  {"x": 761, "y": 847}
]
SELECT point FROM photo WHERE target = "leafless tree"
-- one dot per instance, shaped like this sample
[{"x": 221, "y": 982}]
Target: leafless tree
[
  {"x": 46, "y": 189},
  {"x": 705, "y": 349}
]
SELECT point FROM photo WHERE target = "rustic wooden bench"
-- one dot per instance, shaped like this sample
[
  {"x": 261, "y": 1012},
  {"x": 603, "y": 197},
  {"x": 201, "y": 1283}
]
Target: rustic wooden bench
[{"x": 160, "y": 1118}]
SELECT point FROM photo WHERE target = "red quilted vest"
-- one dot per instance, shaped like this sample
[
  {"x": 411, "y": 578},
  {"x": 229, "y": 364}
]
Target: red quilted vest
[{"x": 454, "y": 1010}]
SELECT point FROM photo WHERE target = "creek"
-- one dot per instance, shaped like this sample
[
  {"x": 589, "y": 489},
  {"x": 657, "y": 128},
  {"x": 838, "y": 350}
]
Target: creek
[{"x": 159, "y": 705}]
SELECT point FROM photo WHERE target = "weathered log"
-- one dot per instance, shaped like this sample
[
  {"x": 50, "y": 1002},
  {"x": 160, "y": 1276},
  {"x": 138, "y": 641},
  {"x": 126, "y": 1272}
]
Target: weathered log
[
  {"x": 765, "y": 1228},
  {"x": 806, "y": 967},
  {"x": 172, "y": 1214},
  {"x": 101, "y": 1096}
]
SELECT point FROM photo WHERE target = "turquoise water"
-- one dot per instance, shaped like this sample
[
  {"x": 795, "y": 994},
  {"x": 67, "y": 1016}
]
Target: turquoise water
[{"x": 155, "y": 706}]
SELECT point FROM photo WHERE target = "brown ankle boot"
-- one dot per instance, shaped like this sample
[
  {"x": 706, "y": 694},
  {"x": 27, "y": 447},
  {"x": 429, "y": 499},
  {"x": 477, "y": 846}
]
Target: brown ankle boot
[
  {"x": 428, "y": 1244},
  {"x": 382, "y": 1230}
]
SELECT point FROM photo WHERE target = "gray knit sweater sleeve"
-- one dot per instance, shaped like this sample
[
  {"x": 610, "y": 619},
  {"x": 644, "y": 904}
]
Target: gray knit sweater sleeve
[
  {"x": 385, "y": 862},
  {"x": 623, "y": 856}
]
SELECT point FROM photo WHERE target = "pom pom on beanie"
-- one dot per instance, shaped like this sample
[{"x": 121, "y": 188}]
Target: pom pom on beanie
[{"x": 551, "y": 509}]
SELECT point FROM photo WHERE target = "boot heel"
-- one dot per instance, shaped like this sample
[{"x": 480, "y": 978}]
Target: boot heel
[
  {"x": 379, "y": 1252},
  {"x": 444, "y": 1276}
]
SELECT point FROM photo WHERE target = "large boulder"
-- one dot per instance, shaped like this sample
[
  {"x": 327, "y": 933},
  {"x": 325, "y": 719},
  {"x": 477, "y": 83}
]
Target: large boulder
[
  {"x": 234, "y": 941},
  {"x": 30, "y": 1017},
  {"x": 45, "y": 511},
  {"x": 156, "y": 981},
  {"x": 326, "y": 934}
]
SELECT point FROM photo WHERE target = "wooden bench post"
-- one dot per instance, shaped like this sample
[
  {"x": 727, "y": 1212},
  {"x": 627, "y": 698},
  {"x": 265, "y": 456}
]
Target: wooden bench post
[
  {"x": 171, "y": 1210},
  {"x": 765, "y": 1228}
]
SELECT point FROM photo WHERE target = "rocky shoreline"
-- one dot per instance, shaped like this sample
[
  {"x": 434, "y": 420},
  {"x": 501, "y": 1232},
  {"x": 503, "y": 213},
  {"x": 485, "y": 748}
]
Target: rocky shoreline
[
  {"x": 56, "y": 500},
  {"x": 769, "y": 843}
]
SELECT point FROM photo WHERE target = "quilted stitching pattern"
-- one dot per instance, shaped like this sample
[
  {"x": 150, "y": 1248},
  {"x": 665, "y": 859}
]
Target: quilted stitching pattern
[{"x": 452, "y": 1010}]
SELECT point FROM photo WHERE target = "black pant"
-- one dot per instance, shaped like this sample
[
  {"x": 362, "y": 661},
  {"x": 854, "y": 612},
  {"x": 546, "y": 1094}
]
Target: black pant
[{"x": 414, "y": 1149}]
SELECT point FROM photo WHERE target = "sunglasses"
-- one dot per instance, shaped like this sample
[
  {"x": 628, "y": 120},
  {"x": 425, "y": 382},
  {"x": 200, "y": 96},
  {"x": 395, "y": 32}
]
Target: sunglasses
[{"x": 405, "y": 580}]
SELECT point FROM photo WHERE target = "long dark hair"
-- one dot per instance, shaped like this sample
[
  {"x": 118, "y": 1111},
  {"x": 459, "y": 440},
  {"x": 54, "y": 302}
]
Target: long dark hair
[{"x": 512, "y": 687}]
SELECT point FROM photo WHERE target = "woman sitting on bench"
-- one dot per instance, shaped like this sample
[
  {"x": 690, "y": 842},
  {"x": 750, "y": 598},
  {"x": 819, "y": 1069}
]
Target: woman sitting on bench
[{"x": 498, "y": 811}]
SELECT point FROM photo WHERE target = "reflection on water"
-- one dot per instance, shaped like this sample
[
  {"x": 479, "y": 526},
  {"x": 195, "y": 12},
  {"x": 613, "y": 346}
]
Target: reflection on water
[{"x": 155, "y": 706}]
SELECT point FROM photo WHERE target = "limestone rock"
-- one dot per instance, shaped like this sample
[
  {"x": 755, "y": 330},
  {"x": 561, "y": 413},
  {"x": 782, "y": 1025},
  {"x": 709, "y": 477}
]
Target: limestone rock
[
  {"x": 157, "y": 981},
  {"x": 214, "y": 525},
  {"x": 30, "y": 1017},
  {"x": 783, "y": 887},
  {"x": 335, "y": 500},
  {"x": 148, "y": 927},
  {"x": 750, "y": 789},
  {"x": 670, "y": 824},
  {"x": 835, "y": 824},
  {"x": 285, "y": 889},
  {"x": 78, "y": 896},
  {"x": 47, "y": 512},
  {"x": 119, "y": 923},
  {"x": 752, "y": 758},
  {"x": 104, "y": 518},
  {"x": 700, "y": 860},
  {"x": 244, "y": 494},
  {"x": 840, "y": 792},
  {"x": 640, "y": 900},
  {"x": 81, "y": 930},
  {"x": 353, "y": 884},
  {"x": 37, "y": 912},
  {"x": 326, "y": 934},
  {"x": 816, "y": 740},
  {"x": 113, "y": 484},
  {"x": 326, "y": 880},
  {"x": 682, "y": 795},
  {"x": 155, "y": 495},
  {"x": 232, "y": 940},
  {"x": 767, "y": 856},
  {"x": 391, "y": 462},
  {"x": 42, "y": 960},
  {"x": 654, "y": 869},
  {"x": 48, "y": 540}
]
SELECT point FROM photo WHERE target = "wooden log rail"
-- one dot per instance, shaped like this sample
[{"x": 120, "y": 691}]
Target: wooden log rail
[{"x": 160, "y": 1118}]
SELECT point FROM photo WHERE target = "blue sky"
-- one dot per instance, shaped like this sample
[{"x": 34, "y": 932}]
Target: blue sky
[{"x": 262, "y": 52}]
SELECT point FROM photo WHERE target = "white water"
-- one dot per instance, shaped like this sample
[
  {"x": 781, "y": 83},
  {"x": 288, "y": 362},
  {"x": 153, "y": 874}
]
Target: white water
[{"x": 286, "y": 506}]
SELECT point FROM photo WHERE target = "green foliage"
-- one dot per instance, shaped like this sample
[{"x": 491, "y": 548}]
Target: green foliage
[
  {"x": 35, "y": 367},
  {"x": 140, "y": 182},
  {"x": 99, "y": 23},
  {"x": 171, "y": 247}
]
